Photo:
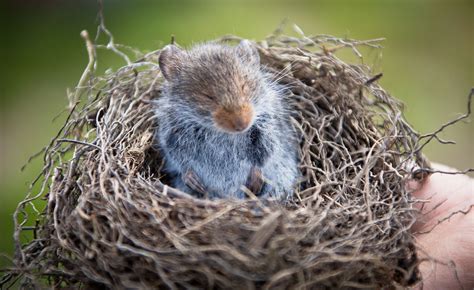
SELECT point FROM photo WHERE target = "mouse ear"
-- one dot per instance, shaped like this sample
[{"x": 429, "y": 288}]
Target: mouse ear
[
  {"x": 248, "y": 52},
  {"x": 170, "y": 60}
]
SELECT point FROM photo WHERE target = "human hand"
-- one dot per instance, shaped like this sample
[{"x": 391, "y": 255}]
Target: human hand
[{"x": 445, "y": 234}]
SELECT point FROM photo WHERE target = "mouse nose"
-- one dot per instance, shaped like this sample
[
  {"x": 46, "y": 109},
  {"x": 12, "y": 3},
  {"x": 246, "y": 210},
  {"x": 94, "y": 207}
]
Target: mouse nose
[
  {"x": 240, "y": 123},
  {"x": 234, "y": 120}
]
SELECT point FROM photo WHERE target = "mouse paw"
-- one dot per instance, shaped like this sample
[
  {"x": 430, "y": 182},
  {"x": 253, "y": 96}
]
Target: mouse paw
[
  {"x": 192, "y": 181},
  {"x": 255, "y": 180}
]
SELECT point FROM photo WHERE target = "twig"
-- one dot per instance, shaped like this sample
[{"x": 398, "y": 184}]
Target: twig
[
  {"x": 111, "y": 44},
  {"x": 464, "y": 212},
  {"x": 89, "y": 68},
  {"x": 373, "y": 79},
  {"x": 78, "y": 142},
  {"x": 433, "y": 135}
]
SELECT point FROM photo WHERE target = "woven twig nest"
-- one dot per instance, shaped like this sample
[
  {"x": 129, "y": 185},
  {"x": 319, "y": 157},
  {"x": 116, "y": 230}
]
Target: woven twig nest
[{"x": 112, "y": 221}]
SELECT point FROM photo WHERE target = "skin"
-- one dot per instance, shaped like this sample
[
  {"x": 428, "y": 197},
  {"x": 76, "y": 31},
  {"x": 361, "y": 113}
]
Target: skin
[{"x": 451, "y": 241}]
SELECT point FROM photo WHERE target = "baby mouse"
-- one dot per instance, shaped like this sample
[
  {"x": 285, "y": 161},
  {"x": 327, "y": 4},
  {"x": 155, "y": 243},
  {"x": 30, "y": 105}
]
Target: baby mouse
[{"x": 223, "y": 123}]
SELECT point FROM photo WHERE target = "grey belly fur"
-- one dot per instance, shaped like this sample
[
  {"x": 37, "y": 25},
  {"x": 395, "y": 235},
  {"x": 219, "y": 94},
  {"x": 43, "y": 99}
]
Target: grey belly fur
[{"x": 222, "y": 161}]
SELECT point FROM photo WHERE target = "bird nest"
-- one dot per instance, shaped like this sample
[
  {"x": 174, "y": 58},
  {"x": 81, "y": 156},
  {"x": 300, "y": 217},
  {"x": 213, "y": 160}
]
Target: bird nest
[{"x": 112, "y": 221}]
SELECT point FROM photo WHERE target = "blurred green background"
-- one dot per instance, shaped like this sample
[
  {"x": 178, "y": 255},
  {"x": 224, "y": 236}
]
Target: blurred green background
[{"x": 427, "y": 61}]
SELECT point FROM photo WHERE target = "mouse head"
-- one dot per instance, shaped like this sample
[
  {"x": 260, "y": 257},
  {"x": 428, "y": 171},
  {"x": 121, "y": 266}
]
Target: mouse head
[{"x": 219, "y": 84}]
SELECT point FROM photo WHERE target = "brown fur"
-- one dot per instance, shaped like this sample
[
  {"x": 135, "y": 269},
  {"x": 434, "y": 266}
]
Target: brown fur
[
  {"x": 234, "y": 119},
  {"x": 214, "y": 80}
]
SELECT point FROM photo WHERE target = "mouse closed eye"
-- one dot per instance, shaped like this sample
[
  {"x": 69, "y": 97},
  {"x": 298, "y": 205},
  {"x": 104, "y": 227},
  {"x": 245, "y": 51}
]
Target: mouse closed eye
[{"x": 209, "y": 97}]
